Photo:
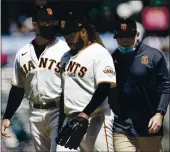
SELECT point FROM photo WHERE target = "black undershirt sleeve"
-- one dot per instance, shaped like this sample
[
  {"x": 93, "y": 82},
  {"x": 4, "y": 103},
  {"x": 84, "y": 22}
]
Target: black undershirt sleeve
[
  {"x": 99, "y": 96},
  {"x": 113, "y": 100},
  {"x": 16, "y": 94},
  {"x": 14, "y": 100},
  {"x": 61, "y": 112}
]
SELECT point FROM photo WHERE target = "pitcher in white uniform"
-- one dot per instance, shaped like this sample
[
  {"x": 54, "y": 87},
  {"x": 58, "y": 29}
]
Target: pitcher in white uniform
[
  {"x": 36, "y": 73},
  {"x": 88, "y": 73}
]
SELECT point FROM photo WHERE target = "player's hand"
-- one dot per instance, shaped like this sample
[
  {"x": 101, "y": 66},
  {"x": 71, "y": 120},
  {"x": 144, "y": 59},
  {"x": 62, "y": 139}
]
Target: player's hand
[
  {"x": 83, "y": 115},
  {"x": 5, "y": 124},
  {"x": 155, "y": 123}
]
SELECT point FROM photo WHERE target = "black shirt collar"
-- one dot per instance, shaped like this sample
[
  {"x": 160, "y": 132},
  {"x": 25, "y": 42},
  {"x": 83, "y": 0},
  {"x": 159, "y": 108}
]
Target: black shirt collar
[{"x": 38, "y": 47}]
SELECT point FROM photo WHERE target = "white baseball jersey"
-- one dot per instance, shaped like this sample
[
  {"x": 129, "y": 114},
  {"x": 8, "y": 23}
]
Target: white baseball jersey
[
  {"x": 40, "y": 78},
  {"x": 82, "y": 74}
]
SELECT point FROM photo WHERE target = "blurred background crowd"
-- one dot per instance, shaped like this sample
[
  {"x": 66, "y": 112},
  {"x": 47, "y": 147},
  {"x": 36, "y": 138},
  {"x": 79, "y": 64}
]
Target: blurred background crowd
[{"x": 152, "y": 18}]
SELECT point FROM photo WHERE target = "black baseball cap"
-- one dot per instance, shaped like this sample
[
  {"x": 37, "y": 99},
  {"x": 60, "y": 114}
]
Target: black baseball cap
[
  {"x": 125, "y": 28},
  {"x": 75, "y": 21},
  {"x": 44, "y": 13}
]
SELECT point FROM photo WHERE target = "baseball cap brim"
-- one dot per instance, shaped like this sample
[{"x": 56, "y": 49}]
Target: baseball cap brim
[
  {"x": 74, "y": 21},
  {"x": 124, "y": 34}
]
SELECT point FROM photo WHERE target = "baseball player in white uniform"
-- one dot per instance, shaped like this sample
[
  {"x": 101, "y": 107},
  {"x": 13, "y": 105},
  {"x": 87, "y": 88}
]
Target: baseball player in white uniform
[
  {"x": 36, "y": 74},
  {"x": 87, "y": 73}
]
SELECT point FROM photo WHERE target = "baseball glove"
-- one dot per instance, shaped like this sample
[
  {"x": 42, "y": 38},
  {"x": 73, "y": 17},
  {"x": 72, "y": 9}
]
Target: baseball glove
[{"x": 72, "y": 133}]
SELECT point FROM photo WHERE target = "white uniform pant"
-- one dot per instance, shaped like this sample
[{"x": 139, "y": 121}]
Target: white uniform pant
[
  {"x": 99, "y": 133},
  {"x": 44, "y": 128}
]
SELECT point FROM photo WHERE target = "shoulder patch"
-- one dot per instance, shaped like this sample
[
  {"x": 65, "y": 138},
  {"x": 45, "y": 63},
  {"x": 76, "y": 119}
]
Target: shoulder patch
[{"x": 109, "y": 71}]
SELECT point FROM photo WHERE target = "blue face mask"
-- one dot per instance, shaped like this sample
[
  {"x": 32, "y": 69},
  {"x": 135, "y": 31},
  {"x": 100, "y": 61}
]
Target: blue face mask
[{"x": 126, "y": 49}]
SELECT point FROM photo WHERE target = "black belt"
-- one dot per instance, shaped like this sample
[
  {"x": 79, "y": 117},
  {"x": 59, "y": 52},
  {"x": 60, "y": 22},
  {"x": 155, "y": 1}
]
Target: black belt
[{"x": 44, "y": 106}]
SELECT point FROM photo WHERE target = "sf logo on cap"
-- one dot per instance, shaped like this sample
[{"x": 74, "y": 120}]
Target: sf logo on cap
[
  {"x": 49, "y": 10},
  {"x": 123, "y": 27}
]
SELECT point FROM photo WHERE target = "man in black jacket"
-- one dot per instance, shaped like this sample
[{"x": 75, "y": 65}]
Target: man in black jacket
[{"x": 143, "y": 88}]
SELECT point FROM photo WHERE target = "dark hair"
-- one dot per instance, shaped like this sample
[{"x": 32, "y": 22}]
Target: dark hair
[{"x": 93, "y": 34}]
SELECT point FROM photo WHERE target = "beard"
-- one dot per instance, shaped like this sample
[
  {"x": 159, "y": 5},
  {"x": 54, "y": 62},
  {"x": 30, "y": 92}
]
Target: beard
[{"x": 77, "y": 46}]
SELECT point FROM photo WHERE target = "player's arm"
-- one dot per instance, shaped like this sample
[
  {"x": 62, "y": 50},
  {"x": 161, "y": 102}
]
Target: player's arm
[
  {"x": 61, "y": 111},
  {"x": 113, "y": 100},
  {"x": 15, "y": 96},
  {"x": 163, "y": 89},
  {"x": 14, "y": 100},
  {"x": 99, "y": 96},
  {"x": 105, "y": 79},
  {"x": 163, "y": 86}
]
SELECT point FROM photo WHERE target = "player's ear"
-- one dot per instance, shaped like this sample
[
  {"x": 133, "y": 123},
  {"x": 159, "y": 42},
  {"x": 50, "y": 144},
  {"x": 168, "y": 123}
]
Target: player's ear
[{"x": 83, "y": 33}]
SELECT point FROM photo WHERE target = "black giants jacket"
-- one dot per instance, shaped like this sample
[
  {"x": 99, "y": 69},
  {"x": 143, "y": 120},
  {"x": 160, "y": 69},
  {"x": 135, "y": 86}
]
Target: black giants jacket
[{"x": 143, "y": 87}]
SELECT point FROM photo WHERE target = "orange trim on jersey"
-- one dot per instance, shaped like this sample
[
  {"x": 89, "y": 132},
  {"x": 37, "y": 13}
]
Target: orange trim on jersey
[
  {"x": 113, "y": 84},
  {"x": 87, "y": 46},
  {"x": 15, "y": 85},
  {"x": 105, "y": 133},
  {"x": 83, "y": 48}
]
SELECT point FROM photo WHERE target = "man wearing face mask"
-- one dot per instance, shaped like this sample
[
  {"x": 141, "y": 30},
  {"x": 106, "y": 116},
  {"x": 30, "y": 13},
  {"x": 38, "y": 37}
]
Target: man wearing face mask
[
  {"x": 143, "y": 92},
  {"x": 36, "y": 74}
]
